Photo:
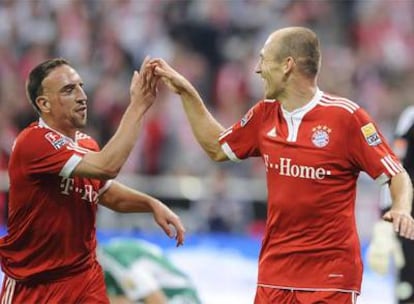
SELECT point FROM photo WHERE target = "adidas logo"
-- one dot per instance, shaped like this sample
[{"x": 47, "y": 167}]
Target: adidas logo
[{"x": 272, "y": 133}]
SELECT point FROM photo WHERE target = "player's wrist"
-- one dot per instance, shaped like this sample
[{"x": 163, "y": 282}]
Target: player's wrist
[{"x": 154, "y": 204}]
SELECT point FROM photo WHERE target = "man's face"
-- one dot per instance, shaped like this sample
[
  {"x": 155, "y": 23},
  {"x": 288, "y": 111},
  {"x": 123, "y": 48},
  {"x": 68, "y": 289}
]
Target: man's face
[
  {"x": 270, "y": 70},
  {"x": 63, "y": 88}
]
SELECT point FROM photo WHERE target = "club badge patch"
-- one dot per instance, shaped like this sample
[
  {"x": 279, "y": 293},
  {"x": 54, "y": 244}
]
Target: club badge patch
[
  {"x": 56, "y": 140},
  {"x": 371, "y": 134},
  {"x": 320, "y": 136},
  {"x": 246, "y": 118}
]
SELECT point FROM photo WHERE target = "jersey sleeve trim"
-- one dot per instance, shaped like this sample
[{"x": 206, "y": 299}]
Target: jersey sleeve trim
[
  {"x": 105, "y": 187},
  {"x": 391, "y": 165},
  {"x": 225, "y": 133},
  {"x": 70, "y": 165},
  {"x": 229, "y": 152},
  {"x": 392, "y": 168}
]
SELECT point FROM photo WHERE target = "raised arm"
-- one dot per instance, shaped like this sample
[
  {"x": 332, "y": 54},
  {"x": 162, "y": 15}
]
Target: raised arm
[
  {"x": 108, "y": 162},
  {"x": 205, "y": 127}
]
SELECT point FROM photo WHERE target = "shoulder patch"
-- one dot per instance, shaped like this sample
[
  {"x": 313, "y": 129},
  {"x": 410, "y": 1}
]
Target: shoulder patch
[
  {"x": 246, "y": 118},
  {"x": 371, "y": 134},
  {"x": 55, "y": 140}
]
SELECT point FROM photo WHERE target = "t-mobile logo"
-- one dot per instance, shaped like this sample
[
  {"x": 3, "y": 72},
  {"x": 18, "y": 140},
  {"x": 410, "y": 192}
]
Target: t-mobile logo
[
  {"x": 67, "y": 187},
  {"x": 287, "y": 168}
]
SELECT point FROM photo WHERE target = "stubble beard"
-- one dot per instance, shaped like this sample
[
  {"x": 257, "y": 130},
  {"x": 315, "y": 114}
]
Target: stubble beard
[{"x": 80, "y": 123}]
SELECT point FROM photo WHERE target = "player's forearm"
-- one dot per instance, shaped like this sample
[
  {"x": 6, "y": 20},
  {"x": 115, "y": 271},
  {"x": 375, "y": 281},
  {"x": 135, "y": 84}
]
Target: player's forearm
[
  {"x": 137, "y": 204},
  {"x": 205, "y": 127},
  {"x": 117, "y": 150},
  {"x": 123, "y": 199},
  {"x": 107, "y": 163},
  {"x": 401, "y": 190}
]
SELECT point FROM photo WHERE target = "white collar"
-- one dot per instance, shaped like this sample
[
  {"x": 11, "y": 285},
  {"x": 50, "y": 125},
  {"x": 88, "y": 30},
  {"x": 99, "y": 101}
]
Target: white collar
[
  {"x": 307, "y": 107},
  {"x": 43, "y": 124}
]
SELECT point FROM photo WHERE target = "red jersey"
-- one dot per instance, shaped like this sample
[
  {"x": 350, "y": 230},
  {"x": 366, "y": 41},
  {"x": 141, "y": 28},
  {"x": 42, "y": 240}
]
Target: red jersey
[
  {"x": 313, "y": 156},
  {"x": 51, "y": 224}
]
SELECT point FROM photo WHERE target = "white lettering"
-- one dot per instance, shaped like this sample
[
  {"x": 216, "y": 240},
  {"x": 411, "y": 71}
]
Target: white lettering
[
  {"x": 266, "y": 161},
  {"x": 287, "y": 168},
  {"x": 66, "y": 184},
  {"x": 89, "y": 194},
  {"x": 320, "y": 173},
  {"x": 308, "y": 172}
]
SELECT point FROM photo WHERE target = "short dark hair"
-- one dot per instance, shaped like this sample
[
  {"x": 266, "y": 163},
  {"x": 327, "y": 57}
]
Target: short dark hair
[
  {"x": 37, "y": 74},
  {"x": 303, "y": 45}
]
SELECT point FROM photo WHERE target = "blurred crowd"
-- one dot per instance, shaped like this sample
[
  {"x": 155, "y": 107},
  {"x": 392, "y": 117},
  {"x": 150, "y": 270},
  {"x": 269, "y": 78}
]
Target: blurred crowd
[{"x": 367, "y": 57}]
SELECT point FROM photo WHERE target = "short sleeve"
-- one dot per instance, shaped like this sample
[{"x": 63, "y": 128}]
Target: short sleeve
[
  {"x": 369, "y": 150},
  {"x": 241, "y": 140},
  {"x": 44, "y": 151}
]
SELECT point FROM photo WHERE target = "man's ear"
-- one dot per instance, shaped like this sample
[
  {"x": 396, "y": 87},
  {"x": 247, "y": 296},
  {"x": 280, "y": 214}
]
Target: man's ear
[
  {"x": 289, "y": 65},
  {"x": 43, "y": 103}
]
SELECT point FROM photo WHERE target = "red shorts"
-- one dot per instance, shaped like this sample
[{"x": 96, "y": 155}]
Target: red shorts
[
  {"x": 265, "y": 295},
  {"x": 85, "y": 287}
]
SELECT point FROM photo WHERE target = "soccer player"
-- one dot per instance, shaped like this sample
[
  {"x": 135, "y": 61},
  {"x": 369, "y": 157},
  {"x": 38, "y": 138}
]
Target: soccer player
[
  {"x": 313, "y": 145},
  {"x": 384, "y": 246},
  {"x": 58, "y": 177},
  {"x": 137, "y": 271}
]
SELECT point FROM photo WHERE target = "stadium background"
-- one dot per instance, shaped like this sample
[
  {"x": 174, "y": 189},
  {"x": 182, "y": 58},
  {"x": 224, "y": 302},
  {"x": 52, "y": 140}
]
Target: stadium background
[{"x": 367, "y": 56}]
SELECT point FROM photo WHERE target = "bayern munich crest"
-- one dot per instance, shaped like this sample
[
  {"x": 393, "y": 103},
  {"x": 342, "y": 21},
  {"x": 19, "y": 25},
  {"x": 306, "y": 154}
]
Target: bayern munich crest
[{"x": 320, "y": 136}]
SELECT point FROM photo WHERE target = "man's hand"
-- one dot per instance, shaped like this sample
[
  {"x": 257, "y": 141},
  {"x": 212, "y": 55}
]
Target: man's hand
[
  {"x": 174, "y": 80},
  {"x": 384, "y": 248},
  {"x": 402, "y": 222},
  {"x": 166, "y": 218},
  {"x": 143, "y": 88}
]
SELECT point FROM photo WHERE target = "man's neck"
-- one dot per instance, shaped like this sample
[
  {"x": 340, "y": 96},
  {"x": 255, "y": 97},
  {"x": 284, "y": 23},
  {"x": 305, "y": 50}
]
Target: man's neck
[
  {"x": 51, "y": 125},
  {"x": 297, "y": 96}
]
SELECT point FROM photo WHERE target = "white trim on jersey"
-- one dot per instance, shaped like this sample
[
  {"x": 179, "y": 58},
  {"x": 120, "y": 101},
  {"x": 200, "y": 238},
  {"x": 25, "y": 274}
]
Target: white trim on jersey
[
  {"x": 105, "y": 187},
  {"x": 225, "y": 133},
  {"x": 340, "y": 102},
  {"x": 343, "y": 106},
  {"x": 354, "y": 296},
  {"x": 343, "y": 100},
  {"x": 70, "y": 165},
  {"x": 9, "y": 291},
  {"x": 229, "y": 152},
  {"x": 76, "y": 148},
  {"x": 392, "y": 166},
  {"x": 405, "y": 121},
  {"x": 44, "y": 125},
  {"x": 269, "y": 100},
  {"x": 308, "y": 289},
  {"x": 293, "y": 122},
  {"x": 294, "y": 118}
]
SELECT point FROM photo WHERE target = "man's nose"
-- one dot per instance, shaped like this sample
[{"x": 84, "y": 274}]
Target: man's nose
[
  {"x": 82, "y": 97},
  {"x": 257, "y": 68}
]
